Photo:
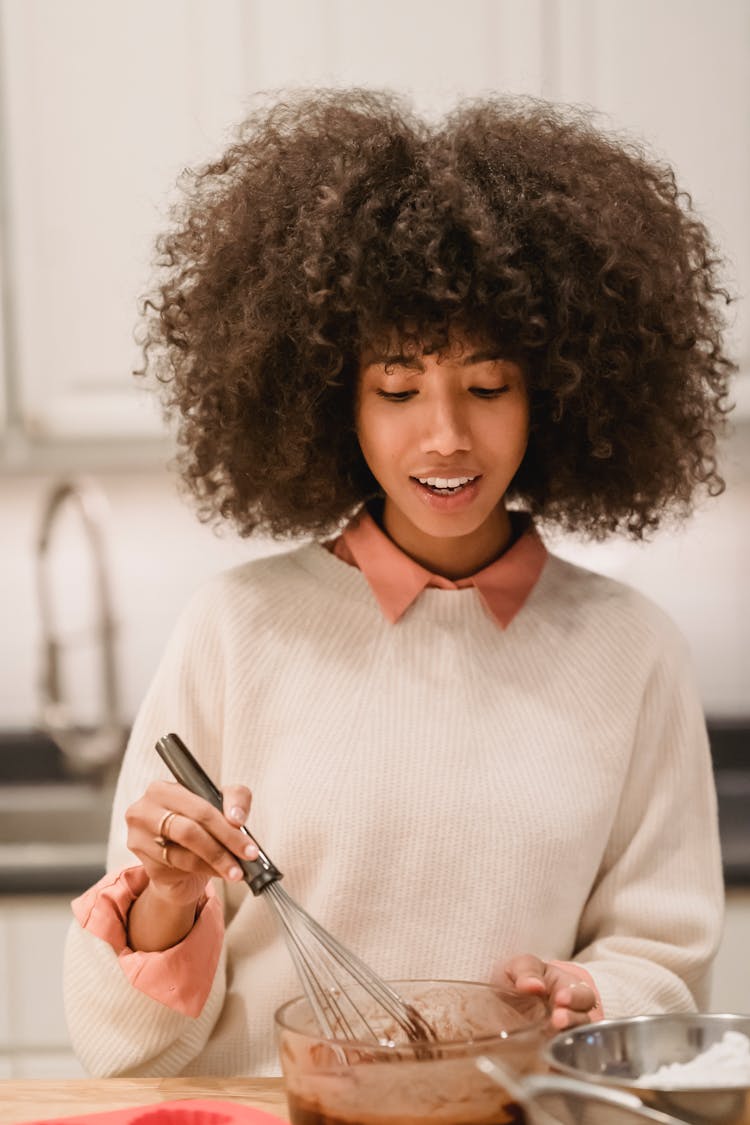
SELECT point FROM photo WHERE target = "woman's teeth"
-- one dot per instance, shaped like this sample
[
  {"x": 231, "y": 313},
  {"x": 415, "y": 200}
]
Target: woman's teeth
[{"x": 445, "y": 485}]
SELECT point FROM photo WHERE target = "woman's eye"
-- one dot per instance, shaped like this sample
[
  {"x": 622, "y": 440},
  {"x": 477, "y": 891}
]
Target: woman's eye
[
  {"x": 489, "y": 392},
  {"x": 396, "y": 396}
]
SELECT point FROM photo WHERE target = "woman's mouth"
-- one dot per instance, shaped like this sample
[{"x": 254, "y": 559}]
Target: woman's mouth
[
  {"x": 445, "y": 486},
  {"x": 447, "y": 494}
]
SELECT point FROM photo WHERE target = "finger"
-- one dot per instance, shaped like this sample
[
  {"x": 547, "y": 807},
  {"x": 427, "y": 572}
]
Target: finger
[
  {"x": 562, "y": 1019},
  {"x": 169, "y": 862},
  {"x": 190, "y": 839},
  {"x": 162, "y": 796},
  {"x": 215, "y": 823},
  {"x": 172, "y": 856},
  {"x": 197, "y": 827},
  {"x": 578, "y": 997},
  {"x": 237, "y": 800},
  {"x": 526, "y": 973}
]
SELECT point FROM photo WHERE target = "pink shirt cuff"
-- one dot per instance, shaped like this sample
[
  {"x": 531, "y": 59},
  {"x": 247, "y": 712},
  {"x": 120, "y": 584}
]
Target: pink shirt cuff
[
  {"x": 597, "y": 1012},
  {"x": 180, "y": 977}
]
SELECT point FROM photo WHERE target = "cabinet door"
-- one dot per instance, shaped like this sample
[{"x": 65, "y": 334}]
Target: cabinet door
[
  {"x": 730, "y": 991},
  {"x": 6, "y": 972},
  {"x": 105, "y": 103},
  {"x": 34, "y": 1040},
  {"x": 674, "y": 74},
  {"x": 35, "y": 930}
]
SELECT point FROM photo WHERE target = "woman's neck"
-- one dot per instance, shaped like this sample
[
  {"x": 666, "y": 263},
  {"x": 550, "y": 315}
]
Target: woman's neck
[{"x": 451, "y": 557}]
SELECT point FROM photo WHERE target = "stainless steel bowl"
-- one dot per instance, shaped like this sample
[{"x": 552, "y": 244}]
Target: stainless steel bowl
[
  {"x": 618, "y": 1052},
  {"x": 555, "y": 1099}
]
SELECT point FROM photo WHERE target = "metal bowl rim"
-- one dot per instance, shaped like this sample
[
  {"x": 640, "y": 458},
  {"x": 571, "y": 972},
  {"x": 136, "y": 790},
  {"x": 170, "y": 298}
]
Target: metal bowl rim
[{"x": 697, "y": 1019}]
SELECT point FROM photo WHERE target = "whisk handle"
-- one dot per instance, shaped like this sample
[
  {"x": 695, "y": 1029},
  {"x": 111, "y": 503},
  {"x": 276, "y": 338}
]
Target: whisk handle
[{"x": 175, "y": 754}]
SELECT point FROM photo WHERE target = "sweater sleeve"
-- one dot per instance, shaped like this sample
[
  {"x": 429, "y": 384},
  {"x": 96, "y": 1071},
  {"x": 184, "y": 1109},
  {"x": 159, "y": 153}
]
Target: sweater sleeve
[
  {"x": 653, "y": 921},
  {"x": 180, "y": 976},
  {"x": 118, "y": 1022}
]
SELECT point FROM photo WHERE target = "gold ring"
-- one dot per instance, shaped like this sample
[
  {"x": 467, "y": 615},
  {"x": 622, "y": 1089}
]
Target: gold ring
[
  {"x": 161, "y": 837},
  {"x": 165, "y": 854}
]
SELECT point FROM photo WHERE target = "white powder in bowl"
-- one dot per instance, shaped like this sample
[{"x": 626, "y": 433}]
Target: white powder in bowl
[{"x": 726, "y": 1063}]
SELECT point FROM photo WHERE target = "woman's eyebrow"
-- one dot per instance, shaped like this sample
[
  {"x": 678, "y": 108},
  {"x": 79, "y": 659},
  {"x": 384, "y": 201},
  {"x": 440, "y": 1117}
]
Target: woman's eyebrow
[
  {"x": 480, "y": 357},
  {"x": 399, "y": 360}
]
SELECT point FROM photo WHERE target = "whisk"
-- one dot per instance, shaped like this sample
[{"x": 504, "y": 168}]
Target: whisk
[{"x": 326, "y": 969}]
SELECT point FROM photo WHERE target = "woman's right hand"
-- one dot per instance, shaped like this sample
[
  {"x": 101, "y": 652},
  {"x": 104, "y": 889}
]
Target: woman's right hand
[{"x": 200, "y": 842}]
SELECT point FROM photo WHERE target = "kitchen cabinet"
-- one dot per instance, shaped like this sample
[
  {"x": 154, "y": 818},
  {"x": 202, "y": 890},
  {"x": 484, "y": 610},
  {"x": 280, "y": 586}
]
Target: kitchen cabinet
[
  {"x": 34, "y": 1039},
  {"x": 6, "y": 1036},
  {"x": 675, "y": 74},
  {"x": 731, "y": 981},
  {"x": 105, "y": 104}
]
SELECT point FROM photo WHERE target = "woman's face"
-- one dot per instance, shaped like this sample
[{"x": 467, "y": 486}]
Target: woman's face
[{"x": 444, "y": 437}]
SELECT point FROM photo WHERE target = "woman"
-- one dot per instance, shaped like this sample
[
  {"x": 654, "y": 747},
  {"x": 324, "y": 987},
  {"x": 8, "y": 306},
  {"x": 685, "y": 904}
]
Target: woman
[{"x": 416, "y": 344}]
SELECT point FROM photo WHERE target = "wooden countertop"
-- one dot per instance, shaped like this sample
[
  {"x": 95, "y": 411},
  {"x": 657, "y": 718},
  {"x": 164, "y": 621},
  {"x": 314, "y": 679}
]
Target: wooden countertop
[{"x": 27, "y": 1100}]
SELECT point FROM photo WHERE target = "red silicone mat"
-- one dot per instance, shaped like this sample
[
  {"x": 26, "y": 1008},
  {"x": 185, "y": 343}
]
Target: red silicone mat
[{"x": 203, "y": 1112}]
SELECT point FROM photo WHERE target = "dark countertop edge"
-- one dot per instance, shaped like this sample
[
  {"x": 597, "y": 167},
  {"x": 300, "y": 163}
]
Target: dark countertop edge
[
  {"x": 737, "y": 875},
  {"x": 730, "y": 743},
  {"x": 73, "y": 883},
  {"x": 65, "y": 881}
]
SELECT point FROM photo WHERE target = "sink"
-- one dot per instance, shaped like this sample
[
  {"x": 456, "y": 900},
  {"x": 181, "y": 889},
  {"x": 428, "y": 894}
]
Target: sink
[
  {"x": 53, "y": 825},
  {"x": 29, "y": 756},
  {"x": 49, "y": 815},
  {"x": 53, "y": 838}
]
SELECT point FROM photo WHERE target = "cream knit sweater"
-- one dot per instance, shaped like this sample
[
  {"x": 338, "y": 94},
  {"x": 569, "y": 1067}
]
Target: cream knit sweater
[{"x": 440, "y": 793}]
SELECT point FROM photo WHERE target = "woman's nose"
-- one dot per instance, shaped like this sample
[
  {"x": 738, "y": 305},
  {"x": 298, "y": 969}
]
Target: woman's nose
[{"x": 446, "y": 429}]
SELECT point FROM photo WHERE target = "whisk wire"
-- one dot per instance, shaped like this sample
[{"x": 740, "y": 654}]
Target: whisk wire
[
  {"x": 322, "y": 985},
  {"x": 404, "y": 1014},
  {"x": 308, "y": 984}
]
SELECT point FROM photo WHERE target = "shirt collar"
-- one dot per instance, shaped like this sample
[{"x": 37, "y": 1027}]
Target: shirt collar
[{"x": 397, "y": 580}]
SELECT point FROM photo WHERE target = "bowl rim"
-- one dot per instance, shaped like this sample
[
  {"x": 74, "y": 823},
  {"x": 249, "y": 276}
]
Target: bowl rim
[
  {"x": 695, "y": 1018},
  {"x": 481, "y": 1041}
]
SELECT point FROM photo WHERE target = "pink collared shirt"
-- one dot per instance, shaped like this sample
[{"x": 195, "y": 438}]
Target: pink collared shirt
[{"x": 397, "y": 580}]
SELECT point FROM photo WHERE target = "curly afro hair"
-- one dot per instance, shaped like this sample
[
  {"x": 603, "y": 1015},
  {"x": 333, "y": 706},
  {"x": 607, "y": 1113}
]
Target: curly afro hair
[{"x": 337, "y": 218}]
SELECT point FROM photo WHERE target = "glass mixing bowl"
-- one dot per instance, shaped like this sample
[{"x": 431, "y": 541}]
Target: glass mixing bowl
[{"x": 350, "y": 1083}]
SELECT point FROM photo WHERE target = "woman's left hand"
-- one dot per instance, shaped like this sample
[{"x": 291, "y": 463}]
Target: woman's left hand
[{"x": 572, "y": 1000}]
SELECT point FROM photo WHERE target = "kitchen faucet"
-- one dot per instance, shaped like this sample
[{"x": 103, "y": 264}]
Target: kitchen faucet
[{"x": 87, "y": 748}]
